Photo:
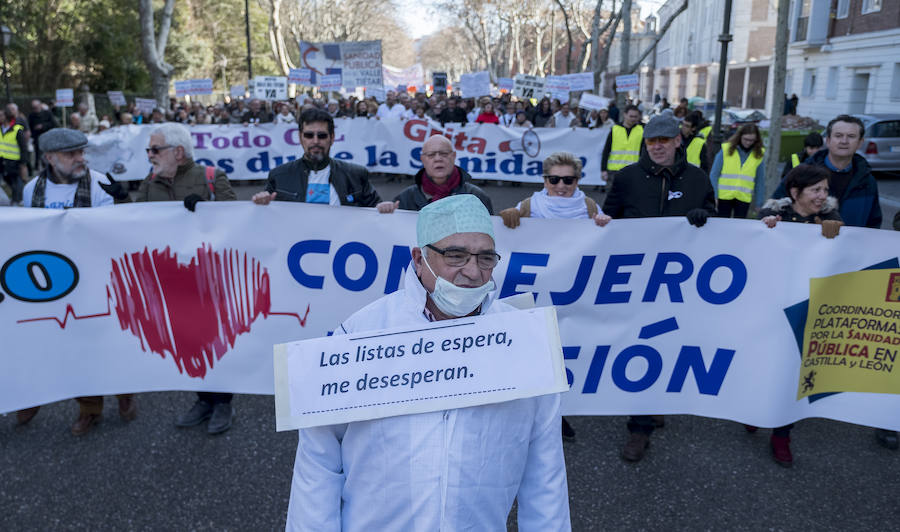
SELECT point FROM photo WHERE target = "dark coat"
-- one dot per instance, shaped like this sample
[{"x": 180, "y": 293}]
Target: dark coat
[
  {"x": 412, "y": 198},
  {"x": 646, "y": 189},
  {"x": 859, "y": 205},
  {"x": 784, "y": 207},
  {"x": 350, "y": 181}
]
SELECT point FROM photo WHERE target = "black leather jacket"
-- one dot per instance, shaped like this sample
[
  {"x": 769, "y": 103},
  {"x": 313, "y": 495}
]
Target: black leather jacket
[{"x": 350, "y": 181}]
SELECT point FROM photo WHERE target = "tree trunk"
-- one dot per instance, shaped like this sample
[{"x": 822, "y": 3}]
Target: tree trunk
[
  {"x": 153, "y": 48},
  {"x": 604, "y": 56},
  {"x": 778, "y": 71},
  {"x": 568, "y": 36}
]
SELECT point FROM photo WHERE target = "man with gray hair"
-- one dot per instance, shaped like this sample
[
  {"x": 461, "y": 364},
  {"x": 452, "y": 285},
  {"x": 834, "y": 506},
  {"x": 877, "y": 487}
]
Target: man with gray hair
[
  {"x": 456, "y": 469},
  {"x": 176, "y": 177}
]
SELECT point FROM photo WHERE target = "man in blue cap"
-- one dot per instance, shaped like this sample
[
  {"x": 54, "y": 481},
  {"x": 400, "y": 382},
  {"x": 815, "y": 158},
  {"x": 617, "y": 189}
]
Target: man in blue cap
[
  {"x": 660, "y": 183},
  {"x": 456, "y": 469}
]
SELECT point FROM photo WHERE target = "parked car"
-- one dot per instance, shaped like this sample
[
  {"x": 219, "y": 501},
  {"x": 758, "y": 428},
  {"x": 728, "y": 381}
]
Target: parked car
[{"x": 881, "y": 142}]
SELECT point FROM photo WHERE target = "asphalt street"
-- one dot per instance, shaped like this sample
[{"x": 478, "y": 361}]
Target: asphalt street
[{"x": 699, "y": 473}]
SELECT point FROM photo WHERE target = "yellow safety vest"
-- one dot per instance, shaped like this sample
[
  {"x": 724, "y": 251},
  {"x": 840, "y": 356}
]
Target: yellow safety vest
[
  {"x": 705, "y": 132},
  {"x": 795, "y": 161},
  {"x": 9, "y": 148},
  {"x": 625, "y": 147},
  {"x": 694, "y": 149},
  {"x": 736, "y": 179}
]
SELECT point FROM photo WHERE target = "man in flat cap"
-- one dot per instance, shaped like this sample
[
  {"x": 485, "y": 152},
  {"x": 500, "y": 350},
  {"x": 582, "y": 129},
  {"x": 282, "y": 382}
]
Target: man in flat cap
[
  {"x": 661, "y": 183},
  {"x": 67, "y": 182},
  {"x": 456, "y": 469}
]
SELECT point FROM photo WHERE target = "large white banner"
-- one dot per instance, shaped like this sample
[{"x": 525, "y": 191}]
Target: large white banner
[
  {"x": 486, "y": 151},
  {"x": 656, "y": 316},
  {"x": 413, "y": 76}
]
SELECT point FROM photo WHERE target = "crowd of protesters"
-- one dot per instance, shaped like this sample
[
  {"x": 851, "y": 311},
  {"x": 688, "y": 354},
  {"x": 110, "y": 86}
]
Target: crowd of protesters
[{"x": 826, "y": 182}]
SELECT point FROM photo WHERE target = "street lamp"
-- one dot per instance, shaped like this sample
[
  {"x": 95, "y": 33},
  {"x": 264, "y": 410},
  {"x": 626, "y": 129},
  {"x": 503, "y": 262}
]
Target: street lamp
[{"x": 7, "y": 34}]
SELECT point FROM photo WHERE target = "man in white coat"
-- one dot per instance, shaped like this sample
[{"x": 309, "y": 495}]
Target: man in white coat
[{"x": 455, "y": 469}]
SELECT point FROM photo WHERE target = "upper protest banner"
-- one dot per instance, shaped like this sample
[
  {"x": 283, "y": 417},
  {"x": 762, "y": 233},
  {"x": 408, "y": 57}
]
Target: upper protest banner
[
  {"x": 413, "y": 76},
  {"x": 423, "y": 367},
  {"x": 486, "y": 151},
  {"x": 475, "y": 84},
  {"x": 358, "y": 62},
  {"x": 655, "y": 316}
]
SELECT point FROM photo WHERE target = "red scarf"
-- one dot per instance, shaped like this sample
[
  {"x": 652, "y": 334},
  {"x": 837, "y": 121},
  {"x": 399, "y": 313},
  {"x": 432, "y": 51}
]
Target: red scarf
[{"x": 441, "y": 191}]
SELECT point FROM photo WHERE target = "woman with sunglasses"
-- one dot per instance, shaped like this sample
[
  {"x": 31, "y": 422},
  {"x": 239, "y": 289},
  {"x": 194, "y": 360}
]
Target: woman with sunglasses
[{"x": 560, "y": 197}]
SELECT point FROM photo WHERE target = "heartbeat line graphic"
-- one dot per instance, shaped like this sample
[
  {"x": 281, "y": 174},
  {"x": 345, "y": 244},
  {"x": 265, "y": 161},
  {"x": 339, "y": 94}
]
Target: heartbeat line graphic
[
  {"x": 71, "y": 312},
  {"x": 192, "y": 312}
]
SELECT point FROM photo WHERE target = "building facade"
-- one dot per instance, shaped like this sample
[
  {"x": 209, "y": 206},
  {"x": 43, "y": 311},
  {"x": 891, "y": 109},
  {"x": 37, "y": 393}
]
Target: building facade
[
  {"x": 687, "y": 56},
  {"x": 844, "y": 57}
]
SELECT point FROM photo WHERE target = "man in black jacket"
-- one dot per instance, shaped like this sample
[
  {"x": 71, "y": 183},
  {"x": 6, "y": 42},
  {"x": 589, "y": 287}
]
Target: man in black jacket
[
  {"x": 453, "y": 113},
  {"x": 661, "y": 183},
  {"x": 438, "y": 178},
  {"x": 316, "y": 177}
]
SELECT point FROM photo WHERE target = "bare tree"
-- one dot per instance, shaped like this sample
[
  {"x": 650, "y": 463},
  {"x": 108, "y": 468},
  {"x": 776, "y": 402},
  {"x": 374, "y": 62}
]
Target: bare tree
[
  {"x": 659, "y": 35},
  {"x": 153, "y": 46}
]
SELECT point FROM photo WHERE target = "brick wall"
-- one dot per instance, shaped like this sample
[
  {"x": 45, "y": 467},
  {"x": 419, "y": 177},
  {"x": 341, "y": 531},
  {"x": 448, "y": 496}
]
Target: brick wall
[{"x": 855, "y": 23}]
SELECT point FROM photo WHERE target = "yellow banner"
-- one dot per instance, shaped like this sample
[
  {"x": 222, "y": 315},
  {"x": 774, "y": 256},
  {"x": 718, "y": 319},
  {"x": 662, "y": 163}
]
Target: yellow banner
[{"x": 852, "y": 335}]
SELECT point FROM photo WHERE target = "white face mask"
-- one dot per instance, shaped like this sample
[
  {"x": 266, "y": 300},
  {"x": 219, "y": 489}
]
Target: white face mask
[{"x": 455, "y": 300}]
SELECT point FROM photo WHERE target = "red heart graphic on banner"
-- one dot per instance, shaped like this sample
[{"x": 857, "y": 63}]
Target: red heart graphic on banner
[{"x": 193, "y": 312}]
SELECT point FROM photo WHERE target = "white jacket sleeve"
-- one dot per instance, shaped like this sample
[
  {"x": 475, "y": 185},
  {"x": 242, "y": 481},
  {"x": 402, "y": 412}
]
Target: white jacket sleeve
[
  {"x": 544, "y": 493},
  {"x": 318, "y": 481}
]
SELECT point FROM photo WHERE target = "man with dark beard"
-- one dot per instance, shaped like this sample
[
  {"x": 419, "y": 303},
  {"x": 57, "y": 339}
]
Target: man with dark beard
[{"x": 316, "y": 177}]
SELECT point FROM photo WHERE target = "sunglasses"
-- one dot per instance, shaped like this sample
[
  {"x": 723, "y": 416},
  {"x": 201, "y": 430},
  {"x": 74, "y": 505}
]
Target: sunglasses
[
  {"x": 321, "y": 135},
  {"x": 554, "y": 179},
  {"x": 656, "y": 140},
  {"x": 154, "y": 150}
]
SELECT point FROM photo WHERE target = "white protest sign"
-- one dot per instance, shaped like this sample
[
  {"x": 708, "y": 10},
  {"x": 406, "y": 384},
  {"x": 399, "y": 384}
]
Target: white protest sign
[
  {"x": 237, "y": 91},
  {"x": 627, "y": 83},
  {"x": 420, "y": 368},
  {"x": 65, "y": 97},
  {"x": 505, "y": 84},
  {"x": 475, "y": 84},
  {"x": 582, "y": 81},
  {"x": 145, "y": 105},
  {"x": 558, "y": 88},
  {"x": 202, "y": 86},
  {"x": 592, "y": 102},
  {"x": 376, "y": 92},
  {"x": 270, "y": 87},
  {"x": 525, "y": 86},
  {"x": 116, "y": 97},
  {"x": 300, "y": 76},
  {"x": 330, "y": 82},
  {"x": 182, "y": 88}
]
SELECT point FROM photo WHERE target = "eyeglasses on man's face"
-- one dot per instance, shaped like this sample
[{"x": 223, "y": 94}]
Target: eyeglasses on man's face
[{"x": 457, "y": 258}]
